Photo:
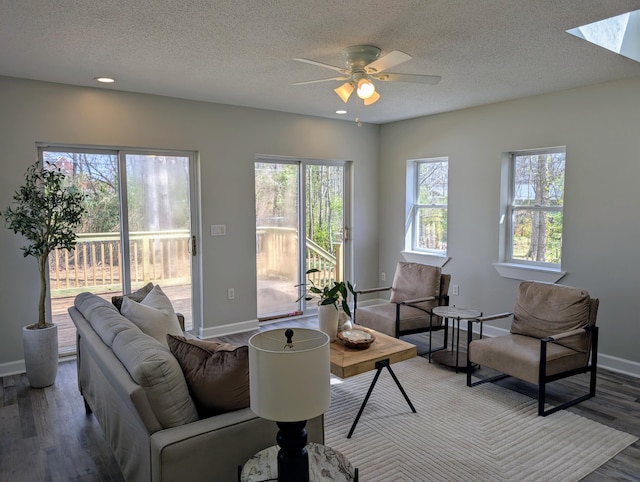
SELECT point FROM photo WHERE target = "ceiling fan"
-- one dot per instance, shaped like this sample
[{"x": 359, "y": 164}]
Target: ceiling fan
[{"x": 362, "y": 67}]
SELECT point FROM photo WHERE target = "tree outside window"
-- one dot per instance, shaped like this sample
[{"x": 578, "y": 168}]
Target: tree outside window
[
  {"x": 429, "y": 227},
  {"x": 536, "y": 205}
]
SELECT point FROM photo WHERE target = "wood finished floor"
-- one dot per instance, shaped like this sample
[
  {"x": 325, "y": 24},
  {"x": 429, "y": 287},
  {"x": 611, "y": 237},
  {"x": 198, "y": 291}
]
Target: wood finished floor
[{"x": 46, "y": 436}]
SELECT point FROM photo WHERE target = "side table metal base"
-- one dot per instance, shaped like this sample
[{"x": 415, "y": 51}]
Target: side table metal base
[{"x": 379, "y": 366}]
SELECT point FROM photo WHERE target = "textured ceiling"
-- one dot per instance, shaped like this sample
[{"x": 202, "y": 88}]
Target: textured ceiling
[{"x": 240, "y": 52}]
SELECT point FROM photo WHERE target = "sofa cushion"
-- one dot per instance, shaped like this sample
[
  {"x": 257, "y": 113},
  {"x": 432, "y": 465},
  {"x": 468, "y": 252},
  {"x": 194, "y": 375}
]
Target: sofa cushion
[
  {"x": 217, "y": 374},
  {"x": 154, "y": 315},
  {"x": 103, "y": 317},
  {"x": 137, "y": 295},
  {"x": 155, "y": 369}
]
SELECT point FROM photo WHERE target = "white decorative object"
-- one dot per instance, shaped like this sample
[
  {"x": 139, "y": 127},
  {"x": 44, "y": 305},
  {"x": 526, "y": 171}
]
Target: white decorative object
[
  {"x": 328, "y": 320},
  {"x": 289, "y": 382},
  {"x": 342, "y": 319},
  {"x": 41, "y": 355}
]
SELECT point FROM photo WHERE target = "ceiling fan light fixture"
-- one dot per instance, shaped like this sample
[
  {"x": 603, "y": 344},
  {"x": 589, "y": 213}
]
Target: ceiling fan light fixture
[
  {"x": 344, "y": 91},
  {"x": 373, "y": 99},
  {"x": 365, "y": 88}
]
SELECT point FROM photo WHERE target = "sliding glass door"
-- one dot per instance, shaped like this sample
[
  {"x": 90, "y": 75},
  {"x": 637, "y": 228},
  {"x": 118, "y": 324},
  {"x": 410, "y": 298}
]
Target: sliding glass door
[
  {"x": 301, "y": 219},
  {"x": 140, "y": 228}
]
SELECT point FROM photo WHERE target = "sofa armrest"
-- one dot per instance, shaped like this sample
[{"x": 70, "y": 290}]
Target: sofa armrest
[{"x": 214, "y": 447}]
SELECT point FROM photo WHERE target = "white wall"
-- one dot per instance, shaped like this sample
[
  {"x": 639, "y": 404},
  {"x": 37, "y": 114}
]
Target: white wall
[
  {"x": 227, "y": 139},
  {"x": 600, "y": 125}
]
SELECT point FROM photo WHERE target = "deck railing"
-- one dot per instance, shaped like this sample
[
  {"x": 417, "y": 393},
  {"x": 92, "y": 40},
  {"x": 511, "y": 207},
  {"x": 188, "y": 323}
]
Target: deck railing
[
  {"x": 277, "y": 250},
  {"x": 163, "y": 256},
  {"x": 96, "y": 261}
]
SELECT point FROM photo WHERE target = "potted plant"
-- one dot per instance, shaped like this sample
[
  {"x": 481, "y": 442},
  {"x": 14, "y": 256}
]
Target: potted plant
[
  {"x": 332, "y": 299},
  {"x": 46, "y": 211}
]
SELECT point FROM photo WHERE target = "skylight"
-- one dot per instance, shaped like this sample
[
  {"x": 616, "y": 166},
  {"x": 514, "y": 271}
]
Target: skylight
[{"x": 620, "y": 34}]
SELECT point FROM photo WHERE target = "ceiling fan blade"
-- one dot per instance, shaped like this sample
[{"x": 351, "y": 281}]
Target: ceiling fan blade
[
  {"x": 393, "y": 58},
  {"x": 421, "y": 79},
  {"x": 326, "y": 66},
  {"x": 319, "y": 80}
]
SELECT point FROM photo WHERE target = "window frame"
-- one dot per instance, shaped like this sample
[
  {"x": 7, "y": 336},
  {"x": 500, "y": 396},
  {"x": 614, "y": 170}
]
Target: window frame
[
  {"x": 413, "y": 207},
  {"x": 512, "y": 208}
]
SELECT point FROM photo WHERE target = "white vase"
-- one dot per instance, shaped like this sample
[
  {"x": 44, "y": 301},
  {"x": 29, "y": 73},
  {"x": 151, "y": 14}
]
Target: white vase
[
  {"x": 41, "y": 355},
  {"x": 328, "y": 320}
]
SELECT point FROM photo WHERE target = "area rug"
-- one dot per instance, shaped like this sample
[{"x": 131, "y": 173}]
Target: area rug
[{"x": 459, "y": 433}]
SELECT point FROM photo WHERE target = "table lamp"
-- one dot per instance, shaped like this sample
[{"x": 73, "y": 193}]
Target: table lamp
[{"x": 289, "y": 380}]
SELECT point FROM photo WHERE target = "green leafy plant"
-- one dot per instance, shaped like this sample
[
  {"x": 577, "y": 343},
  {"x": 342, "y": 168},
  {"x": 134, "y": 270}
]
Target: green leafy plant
[
  {"x": 46, "y": 212},
  {"x": 329, "y": 295}
]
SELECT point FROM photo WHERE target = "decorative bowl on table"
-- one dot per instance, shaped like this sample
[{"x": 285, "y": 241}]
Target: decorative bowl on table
[{"x": 356, "y": 338}]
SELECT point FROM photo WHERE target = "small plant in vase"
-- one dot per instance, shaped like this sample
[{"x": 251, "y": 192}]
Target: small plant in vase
[{"x": 332, "y": 298}]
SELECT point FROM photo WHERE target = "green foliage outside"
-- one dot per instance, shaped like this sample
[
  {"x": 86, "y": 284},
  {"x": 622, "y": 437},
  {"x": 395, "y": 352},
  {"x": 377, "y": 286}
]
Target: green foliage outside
[{"x": 47, "y": 209}]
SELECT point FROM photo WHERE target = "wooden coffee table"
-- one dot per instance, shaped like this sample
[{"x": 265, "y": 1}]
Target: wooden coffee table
[{"x": 385, "y": 350}]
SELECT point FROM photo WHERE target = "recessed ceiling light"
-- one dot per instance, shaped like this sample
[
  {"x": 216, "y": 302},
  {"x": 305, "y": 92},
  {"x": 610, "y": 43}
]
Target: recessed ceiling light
[
  {"x": 341, "y": 112},
  {"x": 105, "y": 80}
]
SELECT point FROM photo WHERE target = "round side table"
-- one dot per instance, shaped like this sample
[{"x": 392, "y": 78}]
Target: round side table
[
  {"x": 452, "y": 358},
  {"x": 325, "y": 464}
]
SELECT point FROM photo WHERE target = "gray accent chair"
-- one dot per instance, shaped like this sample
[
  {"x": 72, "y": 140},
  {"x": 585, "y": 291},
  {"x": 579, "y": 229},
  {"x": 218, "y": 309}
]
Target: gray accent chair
[
  {"x": 416, "y": 289},
  {"x": 553, "y": 336}
]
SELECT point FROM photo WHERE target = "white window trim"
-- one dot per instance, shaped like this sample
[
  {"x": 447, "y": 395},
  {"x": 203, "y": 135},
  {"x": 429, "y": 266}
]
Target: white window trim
[
  {"x": 425, "y": 258},
  {"x": 528, "y": 273},
  {"x": 507, "y": 268},
  {"x": 432, "y": 257}
]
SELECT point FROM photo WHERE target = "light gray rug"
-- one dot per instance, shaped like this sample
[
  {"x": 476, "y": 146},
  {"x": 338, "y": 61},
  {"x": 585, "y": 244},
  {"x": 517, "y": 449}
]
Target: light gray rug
[{"x": 485, "y": 433}]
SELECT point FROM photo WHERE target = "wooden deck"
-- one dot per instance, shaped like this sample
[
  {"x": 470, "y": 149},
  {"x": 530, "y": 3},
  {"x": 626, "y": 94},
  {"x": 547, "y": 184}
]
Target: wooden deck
[{"x": 179, "y": 295}]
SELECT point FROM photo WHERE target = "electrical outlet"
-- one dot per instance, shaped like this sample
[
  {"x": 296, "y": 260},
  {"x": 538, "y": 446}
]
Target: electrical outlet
[
  {"x": 231, "y": 294},
  {"x": 383, "y": 276},
  {"x": 455, "y": 289}
]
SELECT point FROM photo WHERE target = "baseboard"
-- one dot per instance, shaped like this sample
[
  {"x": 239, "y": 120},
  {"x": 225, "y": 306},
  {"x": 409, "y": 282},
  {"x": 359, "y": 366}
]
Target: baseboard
[
  {"x": 12, "y": 368},
  {"x": 229, "y": 329},
  {"x": 608, "y": 362}
]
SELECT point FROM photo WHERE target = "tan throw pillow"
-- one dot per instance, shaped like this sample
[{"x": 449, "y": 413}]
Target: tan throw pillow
[
  {"x": 138, "y": 296},
  {"x": 154, "y": 315},
  {"x": 217, "y": 374}
]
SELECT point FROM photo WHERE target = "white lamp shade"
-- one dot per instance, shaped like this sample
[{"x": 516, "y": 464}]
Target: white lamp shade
[{"x": 289, "y": 383}]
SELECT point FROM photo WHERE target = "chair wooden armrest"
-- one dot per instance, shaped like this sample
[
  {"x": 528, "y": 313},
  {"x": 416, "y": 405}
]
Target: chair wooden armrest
[
  {"x": 482, "y": 319},
  {"x": 567, "y": 334},
  {"x": 417, "y": 300},
  {"x": 373, "y": 290}
]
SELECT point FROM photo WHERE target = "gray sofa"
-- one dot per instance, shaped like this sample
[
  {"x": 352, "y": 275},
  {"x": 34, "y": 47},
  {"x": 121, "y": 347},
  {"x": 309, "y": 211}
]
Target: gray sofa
[{"x": 130, "y": 383}]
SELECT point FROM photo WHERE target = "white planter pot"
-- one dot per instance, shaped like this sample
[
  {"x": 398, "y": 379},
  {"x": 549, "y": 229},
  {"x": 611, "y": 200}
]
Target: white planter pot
[
  {"x": 328, "y": 320},
  {"x": 41, "y": 355}
]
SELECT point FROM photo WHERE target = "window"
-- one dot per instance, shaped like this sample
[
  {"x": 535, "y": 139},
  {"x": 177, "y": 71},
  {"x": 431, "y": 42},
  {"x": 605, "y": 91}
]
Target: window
[
  {"x": 534, "y": 211},
  {"x": 429, "y": 186}
]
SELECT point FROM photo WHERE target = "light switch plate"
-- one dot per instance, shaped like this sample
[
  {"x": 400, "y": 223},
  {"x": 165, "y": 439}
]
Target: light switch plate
[{"x": 218, "y": 229}]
